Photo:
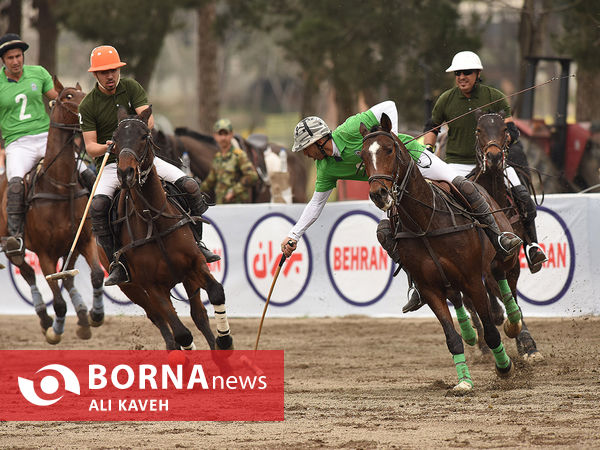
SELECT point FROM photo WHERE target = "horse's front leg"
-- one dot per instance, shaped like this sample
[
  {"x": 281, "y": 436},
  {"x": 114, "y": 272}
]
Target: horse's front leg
[
  {"x": 216, "y": 297},
  {"x": 437, "y": 302},
  {"x": 83, "y": 324},
  {"x": 28, "y": 274},
  {"x": 54, "y": 333},
  {"x": 159, "y": 299},
  {"x": 199, "y": 313},
  {"x": 90, "y": 253}
]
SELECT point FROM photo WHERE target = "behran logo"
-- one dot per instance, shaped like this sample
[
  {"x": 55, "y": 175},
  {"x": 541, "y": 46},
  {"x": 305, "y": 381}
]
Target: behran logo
[
  {"x": 262, "y": 256},
  {"x": 359, "y": 268},
  {"x": 551, "y": 283},
  {"x": 141, "y": 385}
]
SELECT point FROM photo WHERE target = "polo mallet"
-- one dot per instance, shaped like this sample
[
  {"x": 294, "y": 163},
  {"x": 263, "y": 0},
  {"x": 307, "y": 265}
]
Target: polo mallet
[
  {"x": 71, "y": 273},
  {"x": 262, "y": 319}
]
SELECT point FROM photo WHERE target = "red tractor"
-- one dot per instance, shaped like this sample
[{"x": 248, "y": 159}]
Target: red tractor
[{"x": 565, "y": 154}]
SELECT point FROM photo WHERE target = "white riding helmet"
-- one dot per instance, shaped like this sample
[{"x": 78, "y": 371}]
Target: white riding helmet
[
  {"x": 308, "y": 131},
  {"x": 465, "y": 61}
]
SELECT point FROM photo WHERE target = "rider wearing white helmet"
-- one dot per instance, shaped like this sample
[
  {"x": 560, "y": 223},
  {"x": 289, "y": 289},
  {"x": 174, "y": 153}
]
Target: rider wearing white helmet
[
  {"x": 337, "y": 156},
  {"x": 468, "y": 95}
]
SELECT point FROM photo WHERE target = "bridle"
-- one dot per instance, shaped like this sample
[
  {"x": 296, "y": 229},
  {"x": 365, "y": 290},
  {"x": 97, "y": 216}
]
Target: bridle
[
  {"x": 147, "y": 155},
  {"x": 481, "y": 151},
  {"x": 398, "y": 189},
  {"x": 70, "y": 107}
]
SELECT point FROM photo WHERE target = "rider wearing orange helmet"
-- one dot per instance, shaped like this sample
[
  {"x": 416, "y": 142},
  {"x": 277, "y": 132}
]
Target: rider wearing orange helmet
[{"x": 98, "y": 112}]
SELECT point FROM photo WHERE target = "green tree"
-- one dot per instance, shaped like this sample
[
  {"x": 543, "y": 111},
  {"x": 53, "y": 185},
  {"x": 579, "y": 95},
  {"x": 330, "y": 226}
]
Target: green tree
[
  {"x": 580, "y": 40},
  {"x": 136, "y": 28},
  {"x": 362, "y": 48}
]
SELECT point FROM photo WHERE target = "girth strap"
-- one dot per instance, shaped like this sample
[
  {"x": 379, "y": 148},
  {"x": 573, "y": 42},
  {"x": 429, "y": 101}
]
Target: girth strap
[{"x": 52, "y": 196}]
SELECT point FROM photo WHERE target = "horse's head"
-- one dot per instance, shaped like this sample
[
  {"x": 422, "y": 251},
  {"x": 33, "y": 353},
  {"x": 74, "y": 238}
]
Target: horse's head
[
  {"x": 383, "y": 160},
  {"x": 134, "y": 148},
  {"x": 64, "y": 110},
  {"x": 491, "y": 138}
]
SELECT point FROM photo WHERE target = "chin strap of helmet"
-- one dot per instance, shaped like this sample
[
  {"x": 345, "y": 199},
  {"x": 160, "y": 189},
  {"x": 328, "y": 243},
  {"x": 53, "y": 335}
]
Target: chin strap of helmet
[{"x": 322, "y": 146}]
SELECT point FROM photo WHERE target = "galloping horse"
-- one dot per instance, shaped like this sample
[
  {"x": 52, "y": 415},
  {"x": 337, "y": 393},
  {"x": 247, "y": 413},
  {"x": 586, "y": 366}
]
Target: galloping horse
[
  {"x": 159, "y": 245},
  {"x": 55, "y": 203},
  {"x": 441, "y": 248},
  {"x": 491, "y": 149},
  {"x": 202, "y": 148}
]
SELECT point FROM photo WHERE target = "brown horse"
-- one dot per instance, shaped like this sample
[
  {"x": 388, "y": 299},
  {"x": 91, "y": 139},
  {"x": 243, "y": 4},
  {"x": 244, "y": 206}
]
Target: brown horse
[
  {"x": 491, "y": 149},
  {"x": 55, "y": 203},
  {"x": 159, "y": 245},
  {"x": 440, "y": 247},
  {"x": 202, "y": 148}
]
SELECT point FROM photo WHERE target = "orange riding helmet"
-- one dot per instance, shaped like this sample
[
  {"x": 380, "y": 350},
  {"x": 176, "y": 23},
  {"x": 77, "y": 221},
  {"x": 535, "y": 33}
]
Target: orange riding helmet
[{"x": 105, "y": 57}]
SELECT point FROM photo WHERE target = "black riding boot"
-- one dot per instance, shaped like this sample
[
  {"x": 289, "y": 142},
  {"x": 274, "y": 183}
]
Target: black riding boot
[
  {"x": 506, "y": 244},
  {"x": 15, "y": 217},
  {"x": 117, "y": 270},
  {"x": 386, "y": 239},
  {"x": 198, "y": 206},
  {"x": 87, "y": 178},
  {"x": 528, "y": 212}
]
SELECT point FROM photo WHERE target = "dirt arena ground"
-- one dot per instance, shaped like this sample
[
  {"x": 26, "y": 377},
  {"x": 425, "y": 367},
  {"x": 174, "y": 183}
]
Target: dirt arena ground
[{"x": 358, "y": 382}]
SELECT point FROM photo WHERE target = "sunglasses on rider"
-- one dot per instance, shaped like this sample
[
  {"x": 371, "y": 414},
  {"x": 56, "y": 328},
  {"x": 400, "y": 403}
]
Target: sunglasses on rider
[{"x": 464, "y": 72}]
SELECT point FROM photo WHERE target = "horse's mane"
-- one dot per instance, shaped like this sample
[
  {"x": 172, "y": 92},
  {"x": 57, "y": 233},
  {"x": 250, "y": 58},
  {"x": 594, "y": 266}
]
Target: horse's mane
[{"x": 184, "y": 131}]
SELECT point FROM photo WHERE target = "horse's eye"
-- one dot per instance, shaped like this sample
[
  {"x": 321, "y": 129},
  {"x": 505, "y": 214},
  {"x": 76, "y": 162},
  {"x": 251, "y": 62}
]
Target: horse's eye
[{"x": 69, "y": 96}]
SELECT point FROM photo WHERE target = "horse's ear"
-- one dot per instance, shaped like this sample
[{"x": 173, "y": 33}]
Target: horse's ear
[
  {"x": 502, "y": 114},
  {"x": 386, "y": 123},
  {"x": 363, "y": 129},
  {"x": 57, "y": 84},
  {"x": 121, "y": 113},
  {"x": 78, "y": 86},
  {"x": 478, "y": 114},
  {"x": 145, "y": 115}
]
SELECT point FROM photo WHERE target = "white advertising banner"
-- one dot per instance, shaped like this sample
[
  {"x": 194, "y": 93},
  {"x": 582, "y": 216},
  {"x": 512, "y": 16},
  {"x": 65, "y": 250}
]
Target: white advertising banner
[{"x": 340, "y": 269}]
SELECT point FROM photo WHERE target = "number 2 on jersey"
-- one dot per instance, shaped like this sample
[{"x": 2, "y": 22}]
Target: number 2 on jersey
[{"x": 22, "y": 115}]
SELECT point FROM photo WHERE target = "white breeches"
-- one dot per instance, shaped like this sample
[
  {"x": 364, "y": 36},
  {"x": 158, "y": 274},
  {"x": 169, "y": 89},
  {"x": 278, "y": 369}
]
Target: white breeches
[
  {"x": 510, "y": 172},
  {"x": 25, "y": 152},
  {"x": 435, "y": 168},
  {"x": 109, "y": 182}
]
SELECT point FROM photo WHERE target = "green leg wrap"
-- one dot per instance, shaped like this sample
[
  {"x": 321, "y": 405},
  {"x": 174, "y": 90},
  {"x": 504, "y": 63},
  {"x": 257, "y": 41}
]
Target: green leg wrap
[
  {"x": 502, "y": 359},
  {"x": 461, "y": 368},
  {"x": 466, "y": 329},
  {"x": 512, "y": 310}
]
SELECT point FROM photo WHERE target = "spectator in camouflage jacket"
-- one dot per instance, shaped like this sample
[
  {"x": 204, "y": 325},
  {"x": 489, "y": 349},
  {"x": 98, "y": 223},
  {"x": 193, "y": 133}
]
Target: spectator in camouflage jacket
[{"x": 232, "y": 173}]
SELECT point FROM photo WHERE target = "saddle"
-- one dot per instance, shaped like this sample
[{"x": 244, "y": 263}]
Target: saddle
[
  {"x": 450, "y": 190},
  {"x": 175, "y": 196}
]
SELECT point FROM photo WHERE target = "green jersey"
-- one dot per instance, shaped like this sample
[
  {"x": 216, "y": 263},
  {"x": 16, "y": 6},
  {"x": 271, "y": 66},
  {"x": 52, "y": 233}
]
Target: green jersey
[
  {"x": 22, "y": 106},
  {"x": 460, "y": 148},
  {"x": 349, "y": 142},
  {"x": 98, "y": 111}
]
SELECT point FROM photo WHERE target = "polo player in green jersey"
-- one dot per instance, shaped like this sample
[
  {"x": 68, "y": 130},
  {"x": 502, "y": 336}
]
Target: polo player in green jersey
[
  {"x": 337, "y": 156},
  {"x": 24, "y": 124}
]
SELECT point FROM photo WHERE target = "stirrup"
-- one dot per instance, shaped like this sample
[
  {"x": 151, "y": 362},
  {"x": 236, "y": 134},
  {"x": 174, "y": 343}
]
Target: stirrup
[
  {"x": 535, "y": 265},
  {"x": 508, "y": 252},
  {"x": 210, "y": 256},
  {"x": 15, "y": 250},
  {"x": 117, "y": 274},
  {"x": 415, "y": 301}
]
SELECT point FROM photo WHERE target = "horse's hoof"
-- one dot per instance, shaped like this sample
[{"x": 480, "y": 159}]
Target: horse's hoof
[
  {"x": 83, "y": 332},
  {"x": 506, "y": 372},
  {"x": 512, "y": 330},
  {"x": 533, "y": 357},
  {"x": 463, "y": 387},
  {"x": 52, "y": 337},
  {"x": 96, "y": 318},
  {"x": 224, "y": 342}
]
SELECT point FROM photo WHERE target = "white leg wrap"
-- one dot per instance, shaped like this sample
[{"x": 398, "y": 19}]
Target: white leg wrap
[
  {"x": 221, "y": 318},
  {"x": 192, "y": 346}
]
